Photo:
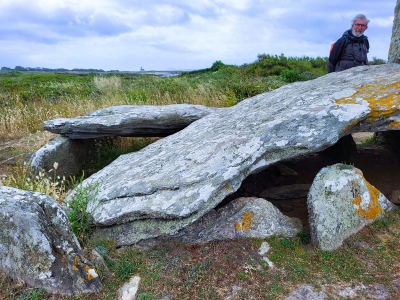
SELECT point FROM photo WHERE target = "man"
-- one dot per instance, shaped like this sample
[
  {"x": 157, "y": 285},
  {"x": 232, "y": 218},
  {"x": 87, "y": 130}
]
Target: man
[{"x": 351, "y": 49}]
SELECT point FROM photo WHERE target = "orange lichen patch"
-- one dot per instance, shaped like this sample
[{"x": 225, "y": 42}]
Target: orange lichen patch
[
  {"x": 82, "y": 279},
  {"x": 227, "y": 187},
  {"x": 77, "y": 261},
  {"x": 358, "y": 172},
  {"x": 374, "y": 208},
  {"x": 355, "y": 122},
  {"x": 245, "y": 223},
  {"x": 394, "y": 125},
  {"x": 383, "y": 99},
  {"x": 89, "y": 276},
  {"x": 75, "y": 268}
]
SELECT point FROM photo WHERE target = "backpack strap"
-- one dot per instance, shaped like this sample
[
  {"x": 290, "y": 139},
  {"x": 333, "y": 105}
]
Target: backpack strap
[
  {"x": 346, "y": 41},
  {"x": 366, "y": 42}
]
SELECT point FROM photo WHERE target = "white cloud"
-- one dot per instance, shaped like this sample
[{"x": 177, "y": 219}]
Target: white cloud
[{"x": 128, "y": 34}]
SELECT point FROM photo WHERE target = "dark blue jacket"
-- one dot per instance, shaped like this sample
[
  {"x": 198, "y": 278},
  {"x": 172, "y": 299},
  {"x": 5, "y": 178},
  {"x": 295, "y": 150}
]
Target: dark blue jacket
[{"x": 348, "y": 54}]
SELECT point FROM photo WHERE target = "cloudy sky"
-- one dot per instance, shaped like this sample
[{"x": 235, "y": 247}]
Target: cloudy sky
[{"x": 179, "y": 34}]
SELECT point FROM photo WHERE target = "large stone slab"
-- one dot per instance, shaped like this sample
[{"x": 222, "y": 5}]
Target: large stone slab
[
  {"x": 37, "y": 245},
  {"x": 340, "y": 203},
  {"x": 176, "y": 180},
  {"x": 130, "y": 120}
]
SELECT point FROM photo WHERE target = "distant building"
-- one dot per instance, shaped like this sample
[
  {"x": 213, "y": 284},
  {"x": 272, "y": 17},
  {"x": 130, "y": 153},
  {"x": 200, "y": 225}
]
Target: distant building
[{"x": 141, "y": 69}]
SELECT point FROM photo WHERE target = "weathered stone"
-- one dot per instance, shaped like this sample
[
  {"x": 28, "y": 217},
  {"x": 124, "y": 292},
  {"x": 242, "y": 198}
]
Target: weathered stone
[
  {"x": 128, "y": 290},
  {"x": 70, "y": 155},
  {"x": 292, "y": 191},
  {"x": 305, "y": 292},
  {"x": 243, "y": 217},
  {"x": 37, "y": 245},
  {"x": 394, "y": 50},
  {"x": 176, "y": 180},
  {"x": 340, "y": 203},
  {"x": 264, "y": 248},
  {"x": 130, "y": 120}
]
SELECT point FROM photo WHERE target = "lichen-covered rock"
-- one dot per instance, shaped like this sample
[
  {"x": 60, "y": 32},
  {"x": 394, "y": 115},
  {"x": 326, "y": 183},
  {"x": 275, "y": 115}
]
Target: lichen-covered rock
[
  {"x": 242, "y": 217},
  {"x": 69, "y": 154},
  {"x": 340, "y": 203},
  {"x": 130, "y": 120},
  {"x": 37, "y": 245},
  {"x": 176, "y": 180}
]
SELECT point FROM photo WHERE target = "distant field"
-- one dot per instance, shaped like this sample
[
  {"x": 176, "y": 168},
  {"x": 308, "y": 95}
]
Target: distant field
[{"x": 27, "y": 99}]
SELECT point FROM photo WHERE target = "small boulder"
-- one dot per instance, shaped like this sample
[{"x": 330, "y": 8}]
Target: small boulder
[
  {"x": 243, "y": 217},
  {"x": 37, "y": 245},
  {"x": 340, "y": 203}
]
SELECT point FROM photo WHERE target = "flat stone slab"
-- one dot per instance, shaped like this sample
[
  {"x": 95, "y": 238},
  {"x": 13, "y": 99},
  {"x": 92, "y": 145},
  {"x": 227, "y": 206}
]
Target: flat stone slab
[
  {"x": 176, "y": 180},
  {"x": 130, "y": 121}
]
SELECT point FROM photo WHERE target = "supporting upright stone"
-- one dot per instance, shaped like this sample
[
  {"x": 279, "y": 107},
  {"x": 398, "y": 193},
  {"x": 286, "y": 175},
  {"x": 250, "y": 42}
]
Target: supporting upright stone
[{"x": 340, "y": 203}]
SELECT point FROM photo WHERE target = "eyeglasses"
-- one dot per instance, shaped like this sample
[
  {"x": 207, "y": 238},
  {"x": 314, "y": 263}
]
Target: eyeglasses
[{"x": 360, "y": 25}]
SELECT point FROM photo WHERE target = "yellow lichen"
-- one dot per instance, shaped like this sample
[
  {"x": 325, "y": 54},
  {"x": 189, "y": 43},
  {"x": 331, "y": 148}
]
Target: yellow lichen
[
  {"x": 374, "y": 208},
  {"x": 77, "y": 261},
  {"x": 82, "y": 279},
  {"x": 394, "y": 125},
  {"x": 383, "y": 99},
  {"x": 227, "y": 187},
  {"x": 355, "y": 122},
  {"x": 245, "y": 223},
  {"x": 75, "y": 268}
]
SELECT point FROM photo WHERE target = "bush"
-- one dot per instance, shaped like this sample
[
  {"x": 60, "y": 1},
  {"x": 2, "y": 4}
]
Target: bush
[
  {"x": 290, "y": 75},
  {"x": 217, "y": 65}
]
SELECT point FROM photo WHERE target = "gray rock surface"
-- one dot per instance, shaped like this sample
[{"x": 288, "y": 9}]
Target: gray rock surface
[
  {"x": 130, "y": 120},
  {"x": 306, "y": 292},
  {"x": 37, "y": 245},
  {"x": 340, "y": 203},
  {"x": 243, "y": 217},
  {"x": 70, "y": 155},
  {"x": 176, "y": 180},
  {"x": 129, "y": 289}
]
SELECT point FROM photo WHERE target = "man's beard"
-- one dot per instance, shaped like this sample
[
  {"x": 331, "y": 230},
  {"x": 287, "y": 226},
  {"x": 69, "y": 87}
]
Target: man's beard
[{"x": 356, "y": 34}]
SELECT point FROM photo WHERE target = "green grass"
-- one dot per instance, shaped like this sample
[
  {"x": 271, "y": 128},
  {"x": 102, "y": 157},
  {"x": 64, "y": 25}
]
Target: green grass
[
  {"x": 80, "y": 219},
  {"x": 29, "y": 99},
  {"x": 370, "y": 141}
]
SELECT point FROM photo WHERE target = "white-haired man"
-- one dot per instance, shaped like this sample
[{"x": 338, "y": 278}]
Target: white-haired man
[{"x": 351, "y": 49}]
